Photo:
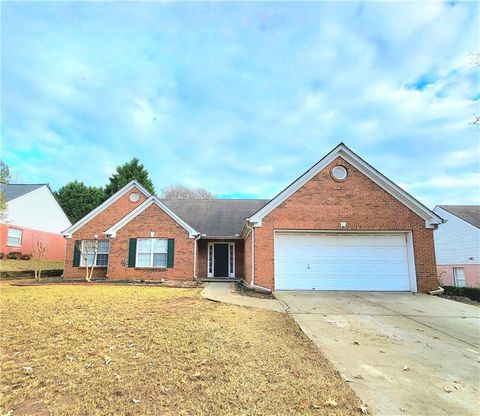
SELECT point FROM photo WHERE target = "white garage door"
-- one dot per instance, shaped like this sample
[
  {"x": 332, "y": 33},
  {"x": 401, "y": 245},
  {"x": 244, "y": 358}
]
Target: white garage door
[{"x": 346, "y": 261}]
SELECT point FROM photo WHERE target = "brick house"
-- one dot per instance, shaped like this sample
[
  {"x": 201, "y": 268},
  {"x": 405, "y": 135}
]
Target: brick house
[
  {"x": 341, "y": 225},
  {"x": 457, "y": 245},
  {"x": 33, "y": 214}
]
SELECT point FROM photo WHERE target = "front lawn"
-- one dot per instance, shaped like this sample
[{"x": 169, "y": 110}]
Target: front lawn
[
  {"x": 157, "y": 351},
  {"x": 7, "y": 265}
]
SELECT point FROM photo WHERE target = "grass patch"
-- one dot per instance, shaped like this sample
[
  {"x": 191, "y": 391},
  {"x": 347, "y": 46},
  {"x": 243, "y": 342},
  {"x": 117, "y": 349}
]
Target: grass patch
[
  {"x": 7, "y": 265},
  {"x": 120, "y": 350}
]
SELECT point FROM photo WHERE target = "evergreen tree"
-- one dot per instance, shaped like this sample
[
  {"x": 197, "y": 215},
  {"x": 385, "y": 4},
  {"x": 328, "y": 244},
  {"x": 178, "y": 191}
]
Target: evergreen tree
[
  {"x": 126, "y": 173},
  {"x": 78, "y": 199}
]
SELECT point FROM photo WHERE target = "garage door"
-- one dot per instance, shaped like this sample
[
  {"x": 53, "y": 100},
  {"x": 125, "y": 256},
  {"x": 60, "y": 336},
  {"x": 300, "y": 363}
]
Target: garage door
[{"x": 346, "y": 261}]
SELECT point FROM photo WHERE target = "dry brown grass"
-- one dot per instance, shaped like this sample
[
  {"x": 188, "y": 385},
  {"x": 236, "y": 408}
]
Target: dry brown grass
[
  {"x": 7, "y": 265},
  {"x": 103, "y": 350}
]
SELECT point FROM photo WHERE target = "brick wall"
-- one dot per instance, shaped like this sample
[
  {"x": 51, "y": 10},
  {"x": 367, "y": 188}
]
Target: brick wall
[
  {"x": 322, "y": 203},
  {"x": 55, "y": 243},
  {"x": 471, "y": 271},
  {"x": 97, "y": 226},
  {"x": 155, "y": 220}
]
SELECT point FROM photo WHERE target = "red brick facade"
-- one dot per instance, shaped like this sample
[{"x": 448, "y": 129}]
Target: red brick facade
[
  {"x": 322, "y": 203},
  {"x": 55, "y": 243},
  {"x": 96, "y": 226}
]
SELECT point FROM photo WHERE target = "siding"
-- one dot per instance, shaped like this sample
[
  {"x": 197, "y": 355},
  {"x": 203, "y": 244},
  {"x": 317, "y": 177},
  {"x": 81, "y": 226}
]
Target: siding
[{"x": 456, "y": 241}]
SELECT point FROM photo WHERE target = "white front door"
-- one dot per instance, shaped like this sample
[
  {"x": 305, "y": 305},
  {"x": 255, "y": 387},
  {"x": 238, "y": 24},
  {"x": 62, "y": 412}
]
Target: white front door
[{"x": 341, "y": 261}]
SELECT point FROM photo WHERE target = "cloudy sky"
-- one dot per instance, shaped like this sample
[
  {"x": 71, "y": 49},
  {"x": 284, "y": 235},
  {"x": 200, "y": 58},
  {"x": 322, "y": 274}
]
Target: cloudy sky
[{"x": 241, "y": 98}]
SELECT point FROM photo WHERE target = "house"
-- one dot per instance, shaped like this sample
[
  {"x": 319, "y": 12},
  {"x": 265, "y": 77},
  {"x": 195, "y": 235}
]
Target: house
[
  {"x": 457, "y": 245},
  {"x": 33, "y": 214},
  {"x": 341, "y": 225}
]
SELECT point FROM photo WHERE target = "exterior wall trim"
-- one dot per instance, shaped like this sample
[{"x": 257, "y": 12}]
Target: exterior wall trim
[
  {"x": 408, "y": 235},
  {"x": 431, "y": 219},
  {"x": 128, "y": 187},
  {"x": 152, "y": 200}
]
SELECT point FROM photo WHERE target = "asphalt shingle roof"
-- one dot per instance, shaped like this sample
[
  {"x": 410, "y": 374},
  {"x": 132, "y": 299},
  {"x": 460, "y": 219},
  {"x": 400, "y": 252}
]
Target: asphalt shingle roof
[
  {"x": 15, "y": 190},
  {"x": 215, "y": 217},
  {"x": 469, "y": 213}
]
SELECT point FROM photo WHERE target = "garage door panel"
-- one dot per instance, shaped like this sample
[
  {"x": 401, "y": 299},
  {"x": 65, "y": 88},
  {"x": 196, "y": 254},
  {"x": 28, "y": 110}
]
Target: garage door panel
[{"x": 329, "y": 261}]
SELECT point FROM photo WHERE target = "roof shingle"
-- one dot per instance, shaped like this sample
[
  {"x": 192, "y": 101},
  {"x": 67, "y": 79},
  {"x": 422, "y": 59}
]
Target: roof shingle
[
  {"x": 215, "y": 217},
  {"x": 15, "y": 190},
  {"x": 468, "y": 213}
]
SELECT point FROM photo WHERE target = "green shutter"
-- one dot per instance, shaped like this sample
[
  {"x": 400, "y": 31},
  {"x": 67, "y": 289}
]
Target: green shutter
[
  {"x": 76, "y": 253},
  {"x": 171, "y": 249},
  {"x": 132, "y": 252}
]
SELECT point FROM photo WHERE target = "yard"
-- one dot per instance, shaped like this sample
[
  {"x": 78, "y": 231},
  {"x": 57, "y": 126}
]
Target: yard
[
  {"x": 94, "y": 349},
  {"x": 7, "y": 265}
]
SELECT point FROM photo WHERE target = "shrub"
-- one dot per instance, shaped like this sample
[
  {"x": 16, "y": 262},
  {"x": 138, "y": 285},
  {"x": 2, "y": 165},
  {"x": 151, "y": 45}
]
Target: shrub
[
  {"x": 472, "y": 293},
  {"x": 26, "y": 256},
  {"x": 14, "y": 255},
  {"x": 2, "y": 256}
]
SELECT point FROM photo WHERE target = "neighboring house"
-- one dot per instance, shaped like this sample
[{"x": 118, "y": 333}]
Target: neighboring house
[
  {"x": 33, "y": 214},
  {"x": 342, "y": 225},
  {"x": 457, "y": 245}
]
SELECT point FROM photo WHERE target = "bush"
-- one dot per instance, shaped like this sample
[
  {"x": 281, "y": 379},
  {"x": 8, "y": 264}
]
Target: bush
[
  {"x": 14, "y": 255},
  {"x": 2, "y": 256},
  {"x": 26, "y": 256},
  {"x": 472, "y": 293}
]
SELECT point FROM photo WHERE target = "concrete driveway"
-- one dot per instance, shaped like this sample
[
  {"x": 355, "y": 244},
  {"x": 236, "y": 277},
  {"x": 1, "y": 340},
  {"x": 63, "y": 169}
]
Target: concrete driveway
[{"x": 403, "y": 354}]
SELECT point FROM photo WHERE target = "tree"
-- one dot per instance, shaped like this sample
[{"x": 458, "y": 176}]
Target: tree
[
  {"x": 90, "y": 248},
  {"x": 183, "y": 192},
  {"x": 5, "y": 175},
  {"x": 3, "y": 207},
  {"x": 126, "y": 173},
  {"x": 78, "y": 199},
  {"x": 39, "y": 250}
]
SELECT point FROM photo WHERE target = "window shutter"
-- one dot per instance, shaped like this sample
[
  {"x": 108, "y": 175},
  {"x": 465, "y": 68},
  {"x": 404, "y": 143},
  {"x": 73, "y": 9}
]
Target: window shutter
[
  {"x": 132, "y": 252},
  {"x": 76, "y": 253},
  {"x": 171, "y": 249}
]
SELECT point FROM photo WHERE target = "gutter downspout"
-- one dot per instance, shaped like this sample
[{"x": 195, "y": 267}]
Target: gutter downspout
[
  {"x": 195, "y": 256},
  {"x": 252, "y": 280}
]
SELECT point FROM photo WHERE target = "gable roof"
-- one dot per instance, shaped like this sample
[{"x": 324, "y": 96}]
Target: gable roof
[
  {"x": 431, "y": 219},
  {"x": 216, "y": 217},
  {"x": 468, "y": 213},
  {"x": 153, "y": 200},
  {"x": 15, "y": 190},
  {"x": 128, "y": 187}
]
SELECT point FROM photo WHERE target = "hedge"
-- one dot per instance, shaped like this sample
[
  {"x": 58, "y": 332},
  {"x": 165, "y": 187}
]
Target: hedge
[{"x": 472, "y": 293}]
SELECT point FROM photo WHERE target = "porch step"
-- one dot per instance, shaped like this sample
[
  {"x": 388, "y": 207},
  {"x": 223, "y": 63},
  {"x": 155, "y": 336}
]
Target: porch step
[{"x": 219, "y": 279}]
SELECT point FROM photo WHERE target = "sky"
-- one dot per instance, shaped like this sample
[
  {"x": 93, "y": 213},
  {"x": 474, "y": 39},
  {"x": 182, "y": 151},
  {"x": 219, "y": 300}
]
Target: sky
[{"x": 242, "y": 98}]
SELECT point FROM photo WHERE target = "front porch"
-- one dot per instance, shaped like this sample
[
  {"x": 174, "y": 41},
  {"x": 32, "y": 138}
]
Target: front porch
[{"x": 220, "y": 260}]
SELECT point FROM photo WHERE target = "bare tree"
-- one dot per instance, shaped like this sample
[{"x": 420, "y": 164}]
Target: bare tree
[
  {"x": 183, "y": 192},
  {"x": 39, "y": 250},
  {"x": 89, "y": 248}
]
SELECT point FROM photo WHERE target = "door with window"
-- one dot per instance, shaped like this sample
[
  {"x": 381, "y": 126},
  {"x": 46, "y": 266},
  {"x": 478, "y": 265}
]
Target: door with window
[
  {"x": 459, "y": 276},
  {"x": 221, "y": 260}
]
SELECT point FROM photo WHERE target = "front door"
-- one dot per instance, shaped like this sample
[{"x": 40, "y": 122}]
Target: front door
[{"x": 220, "y": 260}]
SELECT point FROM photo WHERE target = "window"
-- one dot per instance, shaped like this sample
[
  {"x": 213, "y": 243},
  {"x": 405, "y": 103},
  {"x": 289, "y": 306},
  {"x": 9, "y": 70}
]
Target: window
[
  {"x": 210, "y": 259},
  {"x": 231, "y": 258},
  {"x": 14, "y": 237},
  {"x": 88, "y": 250},
  {"x": 339, "y": 173},
  {"x": 459, "y": 276},
  {"x": 152, "y": 252}
]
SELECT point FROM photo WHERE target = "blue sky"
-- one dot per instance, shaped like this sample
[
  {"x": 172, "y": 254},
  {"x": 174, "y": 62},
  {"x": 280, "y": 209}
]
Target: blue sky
[{"x": 241, "y": 98}]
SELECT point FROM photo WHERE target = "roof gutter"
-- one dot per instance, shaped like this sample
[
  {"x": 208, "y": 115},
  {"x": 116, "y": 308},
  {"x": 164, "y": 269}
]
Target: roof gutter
[{"x": 252, "y": 280}]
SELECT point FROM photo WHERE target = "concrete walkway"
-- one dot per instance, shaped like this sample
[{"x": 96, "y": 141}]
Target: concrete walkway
[
  {"x": 402, "y": 354},
  {"x": 223, "y": 292}
]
